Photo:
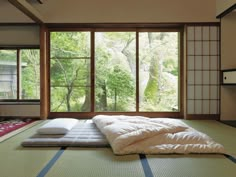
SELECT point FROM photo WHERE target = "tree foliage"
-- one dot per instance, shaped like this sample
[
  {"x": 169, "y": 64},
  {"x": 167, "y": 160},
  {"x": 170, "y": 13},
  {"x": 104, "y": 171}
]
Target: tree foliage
[
  {"x": 29, "y": 73},
  {"x": 115, "y": 71}
]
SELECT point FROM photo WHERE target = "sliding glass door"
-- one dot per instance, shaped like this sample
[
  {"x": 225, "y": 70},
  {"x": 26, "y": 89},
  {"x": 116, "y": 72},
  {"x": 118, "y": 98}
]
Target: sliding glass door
[
  {"x": 115, "y": 71},
  {"x": 70, "y": 72}
]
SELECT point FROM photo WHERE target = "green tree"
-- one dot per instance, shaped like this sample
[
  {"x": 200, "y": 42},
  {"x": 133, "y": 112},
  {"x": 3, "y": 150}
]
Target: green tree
[
  {"x": 113, "y": 54},
  {"x": 120, "y": 85},
  {"x": 30, "y": 74},
  {"x": 70, "y": 60}
]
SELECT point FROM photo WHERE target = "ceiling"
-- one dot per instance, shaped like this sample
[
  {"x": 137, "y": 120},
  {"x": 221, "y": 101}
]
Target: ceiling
[
  {"x": 10, "y": 14},
  {"x": 107, "y": 11}
]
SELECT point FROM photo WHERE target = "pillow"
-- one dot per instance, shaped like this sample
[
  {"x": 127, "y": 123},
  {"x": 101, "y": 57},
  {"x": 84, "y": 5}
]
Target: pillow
[{"x": 58, "y": 126}]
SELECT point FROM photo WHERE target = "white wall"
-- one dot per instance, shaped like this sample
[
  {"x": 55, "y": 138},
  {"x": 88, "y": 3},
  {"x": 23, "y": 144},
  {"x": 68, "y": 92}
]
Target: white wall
[
  {"x": 20, "y": 110},
  {"x": 228, "y": 61},
  {"x": 19, "y": 35}
]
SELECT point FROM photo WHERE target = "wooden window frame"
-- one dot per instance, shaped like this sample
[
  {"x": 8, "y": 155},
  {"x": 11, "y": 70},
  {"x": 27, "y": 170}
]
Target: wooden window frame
[
  {"x": 117, "y": 28},
  {"x": 18, "y": 100}
]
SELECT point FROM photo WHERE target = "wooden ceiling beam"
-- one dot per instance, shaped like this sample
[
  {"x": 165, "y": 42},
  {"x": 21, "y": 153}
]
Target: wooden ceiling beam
[
  {"x": 40, "y": 1},
  {"x": 28, "y": 10}
]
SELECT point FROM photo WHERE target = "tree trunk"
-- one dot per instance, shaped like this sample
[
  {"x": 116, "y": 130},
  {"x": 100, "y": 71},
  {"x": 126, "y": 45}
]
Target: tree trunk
[
  {"x": 131, "y": 58},
  {"x": 115, "y": 105},
  {"x": 68, "y": 96},
  {"x": 102, "y": 98},
  {"x": 151, "y": 93},
  {"x": 86, "y": 105}
]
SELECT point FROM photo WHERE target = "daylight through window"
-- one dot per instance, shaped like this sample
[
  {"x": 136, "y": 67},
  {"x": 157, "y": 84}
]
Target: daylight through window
[
  {"x": 19, "y": 74},
  {"x": 115, "y": 71}
]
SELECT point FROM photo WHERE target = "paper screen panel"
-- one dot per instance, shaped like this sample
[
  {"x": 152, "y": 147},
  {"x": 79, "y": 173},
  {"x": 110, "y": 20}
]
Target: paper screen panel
[
  {"x": 190, "y": 33},
  {"x": 191, "y": 62},
  {"x": 206, "y": 107},
  {"x": 205, "y": 62},
  {"x": 198, "y": 106},
  {"x": 190, "y": 48},
  {"x": 214, "y": 34},
  {"x": 206, "y": 77},
  {"x": 190, "y": 92},
  {"x": 190, "y": 77},
  {"x": 198, "y": 33},
  {"x": 190, "y": 107},
  {"x": 198, "y": 62},
  {"x": 214, "y": 63},
  {"x": 205, "y": 47},
  {"x": 203, "y": 69},
  {"x": 198, "y": 77},
  {"x": 205, "y": 32},
  {"x": 198, "y": 92},
  {"x": 214, "y": 48},
  {"x": 198, "y": 48},
  {"x": 205, "y": 92}
]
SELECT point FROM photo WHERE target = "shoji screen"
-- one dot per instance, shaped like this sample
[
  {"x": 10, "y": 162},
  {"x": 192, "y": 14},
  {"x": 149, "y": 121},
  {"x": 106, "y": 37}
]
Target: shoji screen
[{"x": 203, "y": 71}]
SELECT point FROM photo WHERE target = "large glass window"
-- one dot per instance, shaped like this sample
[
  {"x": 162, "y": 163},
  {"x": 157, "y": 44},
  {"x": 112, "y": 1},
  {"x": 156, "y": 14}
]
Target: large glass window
[
  {"x": 19, "y": 74},
  {"x": 115, "y": 68},
  {"x": 8, "y": 74},
  {"x": 159, "y": 71},
  {"x": 30, "y": 74},
  {"x": 70, "y": 72},
  {"x": 115, "y": 71}
]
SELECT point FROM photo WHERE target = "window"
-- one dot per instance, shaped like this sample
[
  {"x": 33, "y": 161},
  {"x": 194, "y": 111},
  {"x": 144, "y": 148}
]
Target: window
[
  {"x": 115, "y": 71},
  {"x": 70, "y": 72},
  {"x": 19, "y": 75},
  {"x": 159, "y": 71}
]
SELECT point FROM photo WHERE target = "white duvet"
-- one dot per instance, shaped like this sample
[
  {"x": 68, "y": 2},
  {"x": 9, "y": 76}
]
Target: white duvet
[{"x": 135, "y": 134}]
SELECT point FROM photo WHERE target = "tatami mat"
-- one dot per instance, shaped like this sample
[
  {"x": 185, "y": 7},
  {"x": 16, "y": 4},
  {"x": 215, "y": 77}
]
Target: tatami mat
[
  {"x": 219, "y": 132},
  {"x": 100, "y": 162},
  {"x": 199, "y": 165},
  {"x": 17, "y": 161}
]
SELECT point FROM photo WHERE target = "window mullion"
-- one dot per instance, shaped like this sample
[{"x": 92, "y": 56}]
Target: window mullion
[
  {"x": 18, "y": 74},
  {"x": 92, "y": 58},
  {"x": 137, "y": 71}
]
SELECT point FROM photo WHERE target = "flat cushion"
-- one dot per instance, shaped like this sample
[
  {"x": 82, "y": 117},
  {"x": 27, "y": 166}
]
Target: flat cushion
[{"x": 58, "y": 126}]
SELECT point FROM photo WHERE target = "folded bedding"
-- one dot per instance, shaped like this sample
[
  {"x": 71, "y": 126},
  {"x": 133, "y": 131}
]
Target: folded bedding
[{"x": 136, "y": 134}]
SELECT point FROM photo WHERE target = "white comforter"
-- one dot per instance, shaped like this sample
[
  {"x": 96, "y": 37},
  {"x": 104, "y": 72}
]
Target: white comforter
[{"x": 135, "y": 134}]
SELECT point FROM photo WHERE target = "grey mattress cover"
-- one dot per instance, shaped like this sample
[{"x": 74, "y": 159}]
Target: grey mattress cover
[{"x": 83, "y": 134}]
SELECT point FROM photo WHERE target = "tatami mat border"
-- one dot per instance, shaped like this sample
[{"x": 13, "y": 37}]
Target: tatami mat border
[
  {"x": 45, "y": 170},
  {"x": 143, "y": 159},
  {"x": 16, "y": 132},
  {"x": 146, "y": 168},
  {"x": 233, "y": 159}
]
